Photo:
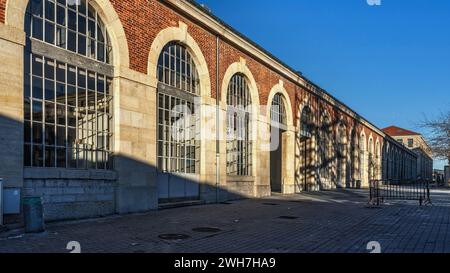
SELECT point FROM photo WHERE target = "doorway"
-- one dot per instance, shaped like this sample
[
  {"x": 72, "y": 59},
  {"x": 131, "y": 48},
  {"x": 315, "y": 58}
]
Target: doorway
[{"x": 276, "y": 159}]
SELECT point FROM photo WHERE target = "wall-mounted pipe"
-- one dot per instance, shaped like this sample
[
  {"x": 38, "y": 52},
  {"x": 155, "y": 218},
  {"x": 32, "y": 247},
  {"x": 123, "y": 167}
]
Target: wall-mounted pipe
[{"x": 217, "y": 120}]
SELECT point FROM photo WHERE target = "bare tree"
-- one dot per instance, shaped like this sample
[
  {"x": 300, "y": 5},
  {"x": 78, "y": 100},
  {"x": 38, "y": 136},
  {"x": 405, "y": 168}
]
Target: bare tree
[{"x": 439, "y": 135}]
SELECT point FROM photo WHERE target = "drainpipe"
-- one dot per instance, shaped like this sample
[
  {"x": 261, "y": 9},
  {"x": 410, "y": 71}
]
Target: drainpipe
[{"x": 217, "y": 121}]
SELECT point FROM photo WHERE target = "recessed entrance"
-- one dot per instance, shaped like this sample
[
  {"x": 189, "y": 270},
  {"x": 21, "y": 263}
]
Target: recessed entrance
[{"x": 277, "y": 130}]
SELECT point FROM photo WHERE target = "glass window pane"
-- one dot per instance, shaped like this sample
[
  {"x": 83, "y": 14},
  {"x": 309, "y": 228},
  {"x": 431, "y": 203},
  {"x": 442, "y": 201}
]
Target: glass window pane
[
  {"x": 37, "y": 132},
  {"x": 72, "y": 41},
  {"x": 60, "y": 92},
  {"x": 27, "y": 109},
  {"x": 49, "y": 90},
  {"x": 72, "y": 20},
  {"x": 49, "y": 32},
  {"x": 61, "y": 15},
  {"x": 49, "y": 10},
  {"x": 61, "y": 37},
  {"x": 81, "y": 24},
  {"x": 60, "y": 136},
  {"x": 38, "y": 156},
  {"x": 27, "y": 155},
  {"x": 38, "y": 28},
  {"x": 37, "y": 110},
  {"x": 61, "y": 114},
  {"x": 61, "y": 157},
  {"x": 71, "y": 75},
  {"x": 50, "y": 157},
  {"x": 49, "y": 112},
  {"x": 27, "y": 132},
  {"x": 50, "y": 135},
  {"x": 81, "y": 44}
]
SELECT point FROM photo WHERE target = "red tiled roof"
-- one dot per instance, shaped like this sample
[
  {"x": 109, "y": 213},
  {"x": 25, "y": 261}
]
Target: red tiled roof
[{"x": 397, "y": 131}]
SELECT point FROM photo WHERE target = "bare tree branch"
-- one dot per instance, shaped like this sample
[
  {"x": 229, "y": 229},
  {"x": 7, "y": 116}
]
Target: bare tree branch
[{"x": 439, "y": 135}]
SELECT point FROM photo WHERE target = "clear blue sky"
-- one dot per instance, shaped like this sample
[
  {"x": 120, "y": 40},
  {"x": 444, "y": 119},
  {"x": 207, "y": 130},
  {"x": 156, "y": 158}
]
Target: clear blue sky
[{"x": 390, "y": 63}]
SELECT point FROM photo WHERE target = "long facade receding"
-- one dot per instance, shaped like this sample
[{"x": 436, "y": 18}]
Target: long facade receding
[{"x": 111, "y": 109}]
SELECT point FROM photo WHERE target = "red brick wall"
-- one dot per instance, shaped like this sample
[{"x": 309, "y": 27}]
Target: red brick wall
[{"x": 2, "y": 11}]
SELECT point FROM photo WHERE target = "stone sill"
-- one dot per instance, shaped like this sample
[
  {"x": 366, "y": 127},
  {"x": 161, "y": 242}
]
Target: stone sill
[
  {"x": 236, "y": 178},
  {"x": 55, "y": 173}
]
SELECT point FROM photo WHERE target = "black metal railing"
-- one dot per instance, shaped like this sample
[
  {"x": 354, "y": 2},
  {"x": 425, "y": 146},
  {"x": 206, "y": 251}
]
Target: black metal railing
[{"x": 382, "y": 190}]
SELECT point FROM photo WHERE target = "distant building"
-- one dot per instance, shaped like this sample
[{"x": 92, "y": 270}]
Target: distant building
[
  {"x": 415, "y": 142},
  {"x": 439, "y": 176},
  {"x": 447, "y": 175}
]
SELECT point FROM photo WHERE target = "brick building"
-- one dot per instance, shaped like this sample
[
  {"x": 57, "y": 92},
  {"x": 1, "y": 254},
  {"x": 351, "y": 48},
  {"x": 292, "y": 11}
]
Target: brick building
[
  {"x": 416, "y": 143},
  {"x": 125, "y": 106}
]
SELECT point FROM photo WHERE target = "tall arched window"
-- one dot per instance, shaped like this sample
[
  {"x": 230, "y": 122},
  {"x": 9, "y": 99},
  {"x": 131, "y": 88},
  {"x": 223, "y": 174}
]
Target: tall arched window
[
  {"x": 325, "y": 146},
  {"x": 178, "y": 145},
  {"x": 362, "y": 155},
  {"x": 68, "y": 87},
  {"x": 341, "y": 140},
  {"x": 239, "y": 116},
  {"x": 378, "y": 161},
  {"x": 306, "y": 127},
  {"x": 371, "y": 160},
  {"x": 278, "y": 110}
]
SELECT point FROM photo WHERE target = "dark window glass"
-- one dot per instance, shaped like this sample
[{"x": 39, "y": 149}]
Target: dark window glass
[
  {"x": 49, "y": 156},
  {"x": 49, "y": 32},
  {"x": 60, "y": 136},
  {"x": 61, "y": 15},
  {"x": 38, "y": 28},
  {"x": 60, "y": 93},
  {"x": 81, "y": 44},
  {"x": 49, "y": 10},
  {"x": 50, "y": 135},
  {"x": 38, "y": 156},
  {"x": 61, "y": 157},
  {"x": 72, "y": 41},
  {"x": 49, "y": 90},
  {"x": 37, "y": 132},
  {"x": 61, "y": 114},
  {"x": 27, "y": 132},
  {"x": 49, "y": 112}
]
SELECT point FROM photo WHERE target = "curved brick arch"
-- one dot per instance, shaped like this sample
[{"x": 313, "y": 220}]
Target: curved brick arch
[
  {"x": 179, "y": 34},
  {"x": 279, "y": 89},
  {"x": 240, "y": 67},
  {"x": 15, "y": 17}
]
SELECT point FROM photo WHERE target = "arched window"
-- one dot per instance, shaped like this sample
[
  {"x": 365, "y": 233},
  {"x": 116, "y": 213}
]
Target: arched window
[
  {"x": 178, "y": 145},
  {"x": 362, "y": 154},
  {"x": 341, "y": 140},
  {"x": 325, "y": 146},
  {"x": 278, "y": 110},
  {"x": 378, "y": 160},
  {"x": 306, "y": 127},
  {"x": 176, "y": 68},
  {"x": 68, "y": 87},
  {"x": 239, "y": 116}
]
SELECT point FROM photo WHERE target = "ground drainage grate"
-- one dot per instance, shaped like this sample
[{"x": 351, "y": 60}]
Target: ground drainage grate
[
  {"x": 173, "y": 237},
  {"x": 270, "y": 204},
  {"x": 206, "y": 229},
  {"x": 288, "y": 217}
]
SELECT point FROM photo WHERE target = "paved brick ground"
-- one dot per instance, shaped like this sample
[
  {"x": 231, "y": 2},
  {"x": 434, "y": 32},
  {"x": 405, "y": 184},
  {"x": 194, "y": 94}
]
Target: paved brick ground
[{"x": 337, "y": 221}]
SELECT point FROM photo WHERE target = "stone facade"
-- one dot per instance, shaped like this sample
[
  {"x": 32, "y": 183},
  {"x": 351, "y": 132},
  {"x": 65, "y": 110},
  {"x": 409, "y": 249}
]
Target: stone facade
[
  {"x": 138, "y": 32},
  {"x": 72, "y": 194}
]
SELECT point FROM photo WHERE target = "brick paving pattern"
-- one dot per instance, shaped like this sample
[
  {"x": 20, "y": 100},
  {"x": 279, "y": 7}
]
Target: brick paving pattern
[{"x": 334, "y": 221}]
